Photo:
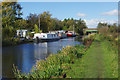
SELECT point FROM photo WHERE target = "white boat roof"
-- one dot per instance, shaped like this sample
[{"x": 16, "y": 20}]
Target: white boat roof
[{"x": 45, "y": 33}]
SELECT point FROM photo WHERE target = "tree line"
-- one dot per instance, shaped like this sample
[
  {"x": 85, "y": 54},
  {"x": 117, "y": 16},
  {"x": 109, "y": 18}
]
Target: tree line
[{"x": 111, "y": 28}]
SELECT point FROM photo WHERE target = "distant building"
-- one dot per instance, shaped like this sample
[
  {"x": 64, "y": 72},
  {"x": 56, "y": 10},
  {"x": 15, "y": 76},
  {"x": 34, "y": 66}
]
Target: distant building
[
  {"x": 23, "y": 32},
  {"x": 90, "y": 30}
]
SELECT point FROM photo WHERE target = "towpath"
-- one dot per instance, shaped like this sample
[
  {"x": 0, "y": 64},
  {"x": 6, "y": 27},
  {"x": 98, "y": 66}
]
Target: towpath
[{"x": 98, "y": 62}]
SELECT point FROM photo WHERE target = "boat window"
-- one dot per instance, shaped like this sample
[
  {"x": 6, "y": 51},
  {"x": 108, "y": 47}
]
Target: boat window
[{"x": 43, "y": 35}]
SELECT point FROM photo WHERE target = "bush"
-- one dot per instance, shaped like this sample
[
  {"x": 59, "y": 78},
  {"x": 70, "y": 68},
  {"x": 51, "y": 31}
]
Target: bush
[
  {"x": 116, "y": 40},
  {"x": 90, "y": 37},
  {"x": 85, "y": 39}
]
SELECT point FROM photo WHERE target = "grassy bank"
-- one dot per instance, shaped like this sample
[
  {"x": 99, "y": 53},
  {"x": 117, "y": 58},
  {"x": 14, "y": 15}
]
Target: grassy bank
[{"x": 97, "y": 61}]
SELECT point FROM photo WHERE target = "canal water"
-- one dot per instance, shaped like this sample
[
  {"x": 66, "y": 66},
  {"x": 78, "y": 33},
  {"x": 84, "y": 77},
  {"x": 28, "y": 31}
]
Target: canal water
[{"x": 25, "y": 55}]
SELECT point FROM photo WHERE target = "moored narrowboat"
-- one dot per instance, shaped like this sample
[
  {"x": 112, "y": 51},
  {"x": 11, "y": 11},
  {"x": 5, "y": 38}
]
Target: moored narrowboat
[{"x": 46, "y": 36}]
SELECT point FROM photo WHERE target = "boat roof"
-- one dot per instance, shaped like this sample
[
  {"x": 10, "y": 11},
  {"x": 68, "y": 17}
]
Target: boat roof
[{"x": 45, "y": 33}]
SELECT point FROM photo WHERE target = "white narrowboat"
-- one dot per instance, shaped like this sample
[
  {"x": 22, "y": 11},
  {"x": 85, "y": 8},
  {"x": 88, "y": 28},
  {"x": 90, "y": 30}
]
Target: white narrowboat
[{"x": 46, "y": 36}]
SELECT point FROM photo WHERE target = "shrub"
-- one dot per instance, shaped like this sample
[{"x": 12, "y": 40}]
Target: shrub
[
  {"x": 90, "y": 37},
  {"x": 85, "y": 39},
  {"x": 116, "y": 40}
]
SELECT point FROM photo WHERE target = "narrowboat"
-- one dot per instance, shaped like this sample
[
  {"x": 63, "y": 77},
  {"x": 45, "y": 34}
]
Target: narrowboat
[
  {"x": 61, "y": 33},
  {"x": 46, "y": 37}
]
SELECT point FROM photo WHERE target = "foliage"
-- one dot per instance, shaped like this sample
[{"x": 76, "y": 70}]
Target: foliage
[
  {"x": 7, "y": 31},
  {"x": 21, "y": 24},
  {"x": 29, "y": 34},
  {"x": 109, "y": 32},
  {"x": 100, "y": 25},
  {"x": 11, "y": 11},
  {"x": 78, "y": 25},
  {"x": 55, "y": 24},
  {"x": 51, "y": 24},
  {"x": 89, "y": 37},
  {"x": 36, "y": 29},
  {"x": 45, "y": 20},
  {"x": 32, "y": 19}
]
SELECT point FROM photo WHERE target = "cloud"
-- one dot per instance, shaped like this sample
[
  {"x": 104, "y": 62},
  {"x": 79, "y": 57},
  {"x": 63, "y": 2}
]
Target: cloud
[
  {"x": 111, "y": 13},
  {"x": 81, "y": 15},
  {"x": 92, "y": 23}
]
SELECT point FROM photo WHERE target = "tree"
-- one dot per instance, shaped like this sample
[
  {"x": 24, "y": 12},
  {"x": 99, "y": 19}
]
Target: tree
[
  {"x": 45, "y": 21},
  {"x": 113, "y": 28},
  {"x": 70, "y": 23},
  {"x": 36, "y": 29},
  {"x": 119, "y": 28},
  {"x": 101, "y": 25},
  {"x": 65, "y": 25},
  {"x": 21, "y": 24},
  {"x": 32, "y": 19},
  {"x": 80, "y": 25},
  {"x": 11, "y": 11},
  {"x": 7, "y": 32},
  {"x": 55, "y": 24}
]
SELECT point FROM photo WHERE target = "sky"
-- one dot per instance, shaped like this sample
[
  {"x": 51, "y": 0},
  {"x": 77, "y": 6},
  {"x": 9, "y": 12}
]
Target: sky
[{"x": 91, "y": 12}]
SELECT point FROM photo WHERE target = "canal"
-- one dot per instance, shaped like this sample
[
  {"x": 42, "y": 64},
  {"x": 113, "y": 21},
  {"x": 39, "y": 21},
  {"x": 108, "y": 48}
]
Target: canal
[{"x": 25, "y": 55}]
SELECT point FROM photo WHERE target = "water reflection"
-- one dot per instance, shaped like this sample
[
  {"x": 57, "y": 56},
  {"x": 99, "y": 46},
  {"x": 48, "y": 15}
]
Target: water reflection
[
  {"x": 41, "y": 50},
  {"x": 25, "y": 55},
  {"x": 9, "y": 58}
]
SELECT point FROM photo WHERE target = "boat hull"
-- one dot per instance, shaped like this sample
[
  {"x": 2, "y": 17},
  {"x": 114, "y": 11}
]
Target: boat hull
[
  {"x": 71, "y": 35},
  {"x": 63, "y": 37},
  {"x": 46, "y": 40}
]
